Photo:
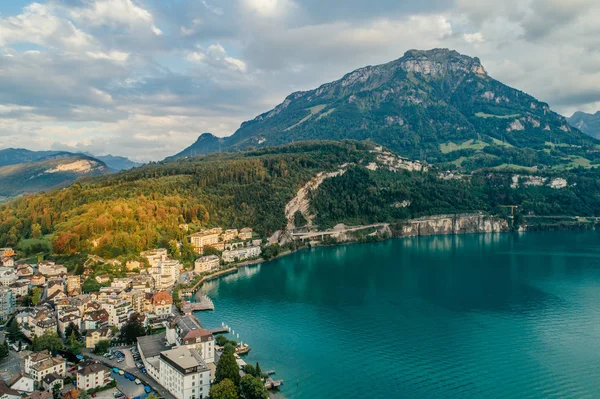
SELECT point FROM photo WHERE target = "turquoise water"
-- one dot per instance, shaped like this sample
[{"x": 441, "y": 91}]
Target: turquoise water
[{"x": 494, "y": 316}]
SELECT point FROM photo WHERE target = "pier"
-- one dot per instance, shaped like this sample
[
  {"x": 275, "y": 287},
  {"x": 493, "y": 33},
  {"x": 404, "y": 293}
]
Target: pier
[
  {"x": 273, "y": 384},
  {"x": 220, "y": 330},
  {"x": 205, "y": 304}
]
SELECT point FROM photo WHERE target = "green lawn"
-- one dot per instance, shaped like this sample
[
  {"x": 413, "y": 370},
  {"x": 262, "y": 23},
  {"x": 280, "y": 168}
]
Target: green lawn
[
  {"x": 313, "y": 111},
  {"x": 446, "y": 148}
]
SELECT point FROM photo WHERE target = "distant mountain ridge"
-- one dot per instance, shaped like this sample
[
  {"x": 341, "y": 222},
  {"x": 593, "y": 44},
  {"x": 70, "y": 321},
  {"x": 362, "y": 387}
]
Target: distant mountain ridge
[
  {"x": 435, "y": 105},
  {"x": 50, "y": 172},
  {"x": 587, "y": 123}
]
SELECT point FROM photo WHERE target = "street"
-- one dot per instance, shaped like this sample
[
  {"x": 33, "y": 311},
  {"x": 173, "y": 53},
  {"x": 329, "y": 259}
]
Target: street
[{"x": 12, "y": 364}]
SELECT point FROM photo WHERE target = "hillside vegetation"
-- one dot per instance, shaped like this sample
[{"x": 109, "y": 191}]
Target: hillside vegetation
[{"x": 125, "y": 213}]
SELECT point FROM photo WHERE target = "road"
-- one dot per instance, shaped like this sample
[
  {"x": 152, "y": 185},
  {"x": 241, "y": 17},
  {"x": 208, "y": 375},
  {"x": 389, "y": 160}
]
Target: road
[{"x": 145, "y": 378}]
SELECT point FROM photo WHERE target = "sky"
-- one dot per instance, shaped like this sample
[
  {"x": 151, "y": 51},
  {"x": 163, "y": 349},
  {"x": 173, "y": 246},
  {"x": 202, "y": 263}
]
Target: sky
[{"x": 144, "y": 78}]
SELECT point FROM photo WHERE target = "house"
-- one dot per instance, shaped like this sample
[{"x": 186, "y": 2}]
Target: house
[
  {"x": 134, "y": 265},
  {"x": 38, "y": 279},
  {"x": 42, "y": 320},
  {"x": 40, "y": 364},
  {"x": 20, "y": 288},
  {"x": 150, "y": 348},
  {"x": 54, "y": 285},
  {"x": 204, "y": 238},
  {"x": 7, "y": 302},
  {"x": 22, "y": 382},
  {"x": 103, "y": 278},
  {"x": 118, "y": 311},
  {"x": 7, "y": 276},
  {"x": 162, "y": 303},
  {"x": 229, "y": 235},
  {"x": 142, "y": 282},
  {"x": 92, "y": 376},
  {"x": 56, "y": 297},
  {"x": 66, "y": 320},
  {"x": 6, "y": 252},
  {"x": 95, "y": 319},
  {"x": 241, "y": 254},
  {"x": 49, "y": 381},
  {"x": 51, "y": 269},
  {"x": 43, "y": 395},
  {"x": 184, "y": 374},
  {"x": 73, "y": 285},
  {"x": 24, "y": 271},
  {"x": 165, "y": 274},
  {"x": 122, "y": 283},
  {"x": 92, "y": 337},
  {"x": 7, "y": 392},
  {"x": 206, "y": 264},
  {"x": 7, "y": 261},
  {"x": 245, "y": 234}
]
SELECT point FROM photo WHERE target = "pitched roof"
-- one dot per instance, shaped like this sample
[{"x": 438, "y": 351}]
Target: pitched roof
[
  {"x": 6, "y": 390},
  {"x": 161, "y": 296},
  {"x": 41, "y": 395},
  {"x": 92, "y": 369}
]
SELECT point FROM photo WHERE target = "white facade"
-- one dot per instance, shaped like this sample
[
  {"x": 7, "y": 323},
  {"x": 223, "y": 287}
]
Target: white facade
[
  {"x": 241, "y": 254},
  {"x": 206, "y": 264},
  {"x": 38, "y": 365},
  {"x": 24, "y": 383},
  {"x": 93, "y": 376},
  {"x": 118, "y": 311},
  {"x": 184, "y": 374}
]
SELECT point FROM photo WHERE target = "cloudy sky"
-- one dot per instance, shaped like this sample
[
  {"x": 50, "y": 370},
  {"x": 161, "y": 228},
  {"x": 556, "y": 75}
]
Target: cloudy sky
[{"x": 143, "y": 78}]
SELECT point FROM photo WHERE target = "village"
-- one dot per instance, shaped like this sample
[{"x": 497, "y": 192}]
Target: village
[{"x": 62, "y": 339}]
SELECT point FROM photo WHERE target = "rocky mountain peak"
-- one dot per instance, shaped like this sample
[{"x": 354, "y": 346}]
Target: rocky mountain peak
[{"x": 439, "y": 62}]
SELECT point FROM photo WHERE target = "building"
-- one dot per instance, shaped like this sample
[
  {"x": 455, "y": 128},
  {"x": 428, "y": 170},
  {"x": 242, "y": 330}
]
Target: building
[
  {"x": 42, "y": 321},
  {"x": 92, "y": 375},
  {"x": 241, "y": 254},
  {"x": 38, "y": 279},
  {"x": 49, "y": 381},
  {"x": 51, "y": 269},
  {"x": 7, "y": 302},
  {"x": 54, "y": 285},
  {"x": 122, "y": 283},
  {"x": 133, "y": 265},
  {"x": 229, "y": 235},
  {"x": 187, "y": 331},
  {"x": 184, "y": 374},
  {"x": 40, "y": 364},
  {"x": 7, "y": 276},
  {"x": 155, "y": 256},
  {"x": 24, "y": 271},
  {"x": 103, "y": 278},
  {"x": 4, "y": 252},
  {"x": 202, "y": 239},
  {"x": 118, "y": 311},
  {"x": 7, "y": 261},
  {"x": 165, "y": 274},
  {"x": 92, "y": 337},
  {"x": 43, "y": 395},
  {"x": 245, "y": 234},
  {"x": 162, "y": 303},
  {"x": 142, "y": 282},
  {"x": 22, "y": 382},
  {"x": 207, "y": 264},
  {"x": 95, "y": 319},
  {"x": 74, "y": 285},
  {"x": 150, "y": 347},
  {"x": 20, "y": 288},
  {"x": 7, "y": 392},
  {"x": 66, "y": 320}
]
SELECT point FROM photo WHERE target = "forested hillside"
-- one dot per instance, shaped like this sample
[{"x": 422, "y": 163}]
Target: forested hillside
[{"x": 125, "y": 213}]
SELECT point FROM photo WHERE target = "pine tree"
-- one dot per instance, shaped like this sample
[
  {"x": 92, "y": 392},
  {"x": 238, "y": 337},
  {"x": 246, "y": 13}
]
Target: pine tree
[{"x": 227, "y": 367}]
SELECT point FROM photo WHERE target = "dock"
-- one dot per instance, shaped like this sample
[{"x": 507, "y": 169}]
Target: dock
[
  {"x": 220, "y": 330},
  {"x": 273, "y": 384},
  {"x": 205, "y": 304}
]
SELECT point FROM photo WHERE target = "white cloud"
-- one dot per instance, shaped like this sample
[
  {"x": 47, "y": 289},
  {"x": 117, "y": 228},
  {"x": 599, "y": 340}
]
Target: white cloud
[
  {"x": 268, "y": 8},
  {"x": 216, "y": 56},
  {"x": 115, "y": 13}
]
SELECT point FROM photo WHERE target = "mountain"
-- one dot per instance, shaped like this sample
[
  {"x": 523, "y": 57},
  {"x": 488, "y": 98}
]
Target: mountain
[
  {"x": 13, "y": 156},
  {"x": 436, "y": 105},
  {"x": 587, "y": 123},
  {"x": 53, "y": 171},
  {"x": 116, "y": 163},
  {"x": 207, "y": 143}
]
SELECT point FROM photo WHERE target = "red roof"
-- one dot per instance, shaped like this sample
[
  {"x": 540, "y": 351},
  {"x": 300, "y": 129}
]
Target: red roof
[{"x": 162, "y": 298}]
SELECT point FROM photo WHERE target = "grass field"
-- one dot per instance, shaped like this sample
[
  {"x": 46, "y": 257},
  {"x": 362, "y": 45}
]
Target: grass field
[
  {"x": 485, "y": 116},
  {"x": 313, "y": 111}
]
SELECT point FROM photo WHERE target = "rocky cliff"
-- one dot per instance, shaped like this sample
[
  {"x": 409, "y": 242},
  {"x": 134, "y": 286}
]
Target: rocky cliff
[{"x": 453, "y": 224}]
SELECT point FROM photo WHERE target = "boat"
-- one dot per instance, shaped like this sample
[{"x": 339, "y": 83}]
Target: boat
[
  {"x": 147, "y": 389},
  {"x": 138, "y": 381},
  {"x": 242, "y": 350},
  {"x": 115, "y": 370},
  {"x": 121, "y": 372}
]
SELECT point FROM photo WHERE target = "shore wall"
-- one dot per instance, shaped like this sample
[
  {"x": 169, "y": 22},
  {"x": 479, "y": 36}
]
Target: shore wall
[{"x": 453, "y": 224}]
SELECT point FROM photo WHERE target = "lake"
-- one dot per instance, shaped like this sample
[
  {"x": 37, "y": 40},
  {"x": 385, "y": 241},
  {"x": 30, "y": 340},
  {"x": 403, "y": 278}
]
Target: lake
[{"x": 497, "y": 316}]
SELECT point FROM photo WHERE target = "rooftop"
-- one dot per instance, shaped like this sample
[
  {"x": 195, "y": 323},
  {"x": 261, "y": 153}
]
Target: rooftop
[
  {"x": 185, "y": 358},
  {"x": 92, "y": 369},
  {"x": 153, "y": 345}
]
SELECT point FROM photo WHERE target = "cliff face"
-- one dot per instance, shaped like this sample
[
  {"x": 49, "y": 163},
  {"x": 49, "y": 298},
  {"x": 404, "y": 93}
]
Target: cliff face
[{"x": 454, "y": 224}]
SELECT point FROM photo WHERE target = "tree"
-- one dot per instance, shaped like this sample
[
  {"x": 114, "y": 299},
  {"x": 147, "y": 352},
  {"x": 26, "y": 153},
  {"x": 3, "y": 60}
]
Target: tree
[
  {"x": 225, "y": 389},
  {"x": 4, "y": 350},
  {"x": 102, "y": 347},
  {"x": 227, "y": 367},
  {"x": 36, "y": 296},
  {"x": 50, "y": 340},
  {"x": 74, "y": 344},
  {"x": 299, "y": 219},
  {"x": 72, "y": 329},
  {"x": 56, "y": 391},
  {"x": 13, "y": 331},
  {"x": 253, "y": 387},
  {"x": 152, "y": 396},
  {"x": 258, "y": 370},
  {"x": 36, "y": 231},
  {"x": 132, "y": 329}
]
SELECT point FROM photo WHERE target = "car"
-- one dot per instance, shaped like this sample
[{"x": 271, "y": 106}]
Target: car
[
  {"x": 120, "y": 360},
  {"x": 94, "y": 395}
]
